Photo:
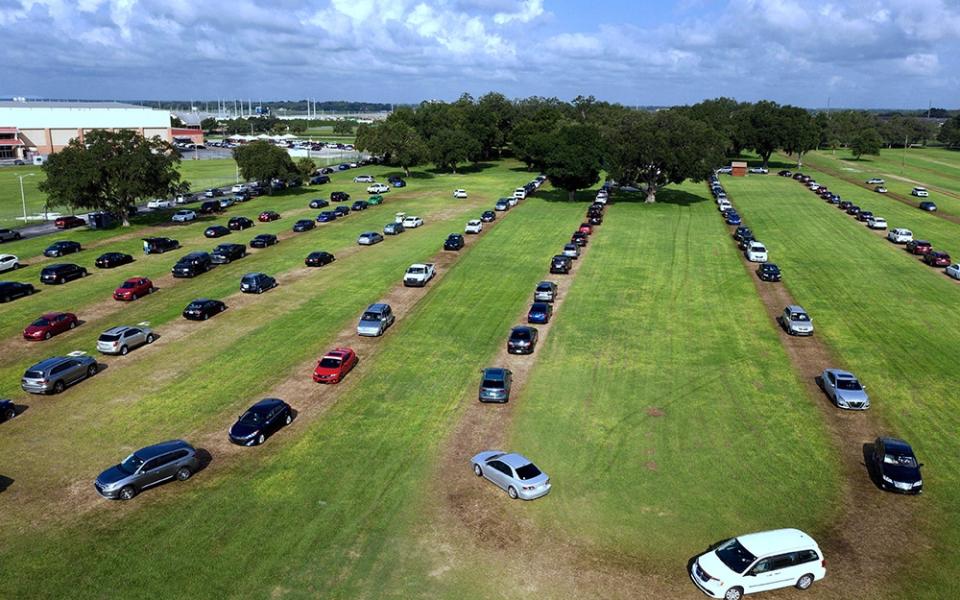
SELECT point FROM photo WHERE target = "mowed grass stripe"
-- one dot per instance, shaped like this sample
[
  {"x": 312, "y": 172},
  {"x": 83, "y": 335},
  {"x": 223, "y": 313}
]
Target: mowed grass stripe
[
  {"x": 887, "y": 317},
  {"x": 332, "y": 497},
  {"x": 664, "y": 407}
]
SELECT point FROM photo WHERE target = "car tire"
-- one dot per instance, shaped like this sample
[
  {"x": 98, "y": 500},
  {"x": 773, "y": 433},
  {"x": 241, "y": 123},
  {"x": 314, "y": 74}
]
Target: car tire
[
  {"x": 184, "y": 473},
  {"x": 9, "y": 414},
  {"x": 734, "y": 593},
  {"x": 127, "y": 493},
  {"x": 58, "y": 387},
  {"x": 261, "y": 439},
  {"x": 512, "y": 492},
  {"x": 73, "y": 324},
  {"x": 205, "y": 316},
  {"x": 124, "y": 350},
  {"x": 150, "y": 338},
  {"x": 805, "y": 582},
  {"x": 47, "y": 335},
  {"x": 133, "y": 297},
  {"x": 91, "y": 370}
]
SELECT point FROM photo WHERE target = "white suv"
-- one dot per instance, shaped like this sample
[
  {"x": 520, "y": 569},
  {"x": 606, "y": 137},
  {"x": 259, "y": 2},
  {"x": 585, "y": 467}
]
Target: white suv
[
  {"x": 756, "y": 252},
  {"x": 758, "y": 562},
  {"x": 876, "y": 223},
  {"x": 459, "y": 193},
  {"x": 920, "y": 192},
  {"x": 519, "y": 193},
  {"x": 900, "y": 236}
]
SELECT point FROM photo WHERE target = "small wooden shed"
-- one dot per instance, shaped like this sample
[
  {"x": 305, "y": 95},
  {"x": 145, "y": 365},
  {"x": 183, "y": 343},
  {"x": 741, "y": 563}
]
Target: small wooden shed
[{"x": 739, "y": 168}]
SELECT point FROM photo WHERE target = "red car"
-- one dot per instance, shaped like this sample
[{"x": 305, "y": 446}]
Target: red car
[
  {"x": 919, "y": 247},
  {"x": 268, "y": 215},
  {"x": 937, "y": 259},
  {"x": 133, "y": 288},
  {"x": 49, "y": 325},
  {"x": 586, "y": 228},
  {"x": 334, "y": 365},
  {"x": 69, "y": 222}
]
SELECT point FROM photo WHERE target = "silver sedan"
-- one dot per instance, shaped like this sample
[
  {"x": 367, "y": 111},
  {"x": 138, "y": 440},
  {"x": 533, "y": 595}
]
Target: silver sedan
[
  {"x": 513, "y": 473},
  {"x": 844, "y": 389},
  {"x": 120, "y": 340}
]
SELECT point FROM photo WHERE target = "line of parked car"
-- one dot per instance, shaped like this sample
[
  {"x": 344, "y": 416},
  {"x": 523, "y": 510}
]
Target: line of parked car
[{"x": 898, "y": 235}]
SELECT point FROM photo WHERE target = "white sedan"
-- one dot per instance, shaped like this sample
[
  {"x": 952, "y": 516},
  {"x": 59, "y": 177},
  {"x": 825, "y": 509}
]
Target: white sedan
[
  {"x": 8, "y": 262},
  {"x": 756, "y": 252},
  {"x": 184, "y": 216},
  {"x": 157, "y": 203},
  {"x": 876, "y": 223},
  {"x": 412, "y": 222},
  {"x": 900, "y": 235},
  {"x": 953, "y": 270},
  {"x": 238, "y": 188},
  {"x": 378, "y": 188},
  {"x": 459, "y": 193},
  {"x": 474, "y": 226}
]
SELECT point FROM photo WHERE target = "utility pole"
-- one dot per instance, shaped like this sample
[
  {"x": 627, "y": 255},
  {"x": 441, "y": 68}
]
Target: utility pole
[
  {"x": 903, "y": 160},
  {"x": 23, "y": 197}
]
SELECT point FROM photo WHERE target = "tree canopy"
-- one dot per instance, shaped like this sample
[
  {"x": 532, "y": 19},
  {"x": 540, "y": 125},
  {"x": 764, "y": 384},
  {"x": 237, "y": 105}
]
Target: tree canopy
[
  {"x": 262, "y": 161},
  {"x": 574, "y": 159}
]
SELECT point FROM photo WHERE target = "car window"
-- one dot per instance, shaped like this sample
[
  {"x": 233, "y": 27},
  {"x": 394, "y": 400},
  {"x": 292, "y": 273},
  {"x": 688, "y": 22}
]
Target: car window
[
  {"x": 762, "y": 566},
  {"x": 152, "y": 464},
  {"x": 528, "y": 471},
  {"x": 805, "y": 556},
  {"x": 499, "y": 466},
  {"x": 131, "y": 332},
  {"x": 781, "y": 562}
]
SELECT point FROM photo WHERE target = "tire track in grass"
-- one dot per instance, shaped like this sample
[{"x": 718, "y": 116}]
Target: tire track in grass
[{"x": 857, "y": 547}]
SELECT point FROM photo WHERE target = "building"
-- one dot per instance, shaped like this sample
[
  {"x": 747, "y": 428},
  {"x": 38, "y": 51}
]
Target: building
[
  {"x": 40, "y": 127},
  {"x": 739, "y": 168}
]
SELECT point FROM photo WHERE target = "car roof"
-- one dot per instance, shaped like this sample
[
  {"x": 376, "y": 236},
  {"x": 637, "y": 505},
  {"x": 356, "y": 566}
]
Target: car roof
[
  {"x": 378, "y": 307},
  {"x": 199, "y": 300},
  {"x": 117, "y": 330},
  {"x": 765, "y": 543},
  {"x": 48, "y": 363},
  {"x": 495, "y": 373},
  {"x": 896, "y": 444},
  {"x": 266, "y": 404},
  {"x": 523, "y": 328},
  {"x": 546, "y": 284},
  {"x": 841, "y": 374},
  {"x": 795, "y": 308},
  {"x": 515, "y": 460},
  {"x": 148, "y": 452},
  {"x": 337, "y": 353}
]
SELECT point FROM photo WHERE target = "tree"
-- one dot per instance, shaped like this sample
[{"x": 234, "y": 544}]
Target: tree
[
  {"x": 176, "y": 121},
  {"x": 663, "y": 148},
  {"x": 763, "y": 132},
  {"x": 396, "y": 141},
  {"x": 531, "y": 143},
  {"x": 950, "y": 132},
  {"x": 306, "y": 167},
  {"x": 800, "y": 132},
  {"x": 574, "y": 160},
  {"x": 298, "y": 126},
  {"x": 209, "y": 124},
  {"x": 451, "y": 147},
  {"x": 868, "y": 141},
  {"x": 344, "y": 127},
  {"x": 262, "y": 161},
  {"x": 111, "y": 171}
]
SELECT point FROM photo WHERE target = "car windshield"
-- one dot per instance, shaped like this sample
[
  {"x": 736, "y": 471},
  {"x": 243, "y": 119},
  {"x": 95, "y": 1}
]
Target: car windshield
[
  {"x": 128, "y": 284},
  {"x": 900, "y": 460},
  {"x": 195, "y": 305},
  {"x": 41, "y": 322},
  {"x": 370, "y": 316},
  {"x": 250, "y": 418},
  {"x": 527, "y": 471},
  {"x": 329, "y": 362},
  {"x": 735, "y": 556},
  {"x": 848, "y": 384},
  {"x": 799, "y": 317},
  {"x": 496, "y": 384},
  {"x": 130, "y": 464},
  {"x": 543, "y": 288},
  {"x": 415, "y": 270}
]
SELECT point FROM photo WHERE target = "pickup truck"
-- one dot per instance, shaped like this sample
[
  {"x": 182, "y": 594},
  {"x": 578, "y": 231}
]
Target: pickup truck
[{"x": 419, "y": 274}]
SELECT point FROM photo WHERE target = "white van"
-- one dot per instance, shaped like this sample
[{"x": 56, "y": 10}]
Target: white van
[
  {"x": 519, "y": 193},
  {"x": 920, "y": 192},
  {"x": 758, "y": 562}
]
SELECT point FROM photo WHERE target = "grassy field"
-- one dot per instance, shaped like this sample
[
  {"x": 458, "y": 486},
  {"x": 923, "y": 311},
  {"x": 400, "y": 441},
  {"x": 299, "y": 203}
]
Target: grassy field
[{"x": 887, "y": 316}]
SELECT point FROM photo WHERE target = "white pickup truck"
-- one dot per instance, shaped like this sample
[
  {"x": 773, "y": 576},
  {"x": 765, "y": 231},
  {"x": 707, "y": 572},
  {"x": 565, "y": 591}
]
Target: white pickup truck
[{"x": 419, "y": 274}]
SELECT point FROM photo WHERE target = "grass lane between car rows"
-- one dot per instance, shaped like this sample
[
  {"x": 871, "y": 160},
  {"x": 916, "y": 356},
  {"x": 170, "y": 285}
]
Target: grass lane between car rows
[
  {"x": 888, "y": 317},
  {"x": 320, "y": 513}
]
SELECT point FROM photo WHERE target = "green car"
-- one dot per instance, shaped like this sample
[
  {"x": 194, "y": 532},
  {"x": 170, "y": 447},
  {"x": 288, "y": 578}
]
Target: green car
[{"x": 375, "y": 200}]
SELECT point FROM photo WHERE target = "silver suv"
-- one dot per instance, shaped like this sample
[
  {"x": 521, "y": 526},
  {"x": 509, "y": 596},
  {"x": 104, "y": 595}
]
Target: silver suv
[
  {"x": 796, "y": 321},
  {"x": 53, "y": 375},
  {"x": 375, "y": 320},
  {"x": 148, "y": 467},
  {"x": 120, "y": 340}
]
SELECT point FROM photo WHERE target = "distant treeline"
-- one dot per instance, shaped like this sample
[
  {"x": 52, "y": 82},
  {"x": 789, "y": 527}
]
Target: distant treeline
[{"x": 293, "y": 106}]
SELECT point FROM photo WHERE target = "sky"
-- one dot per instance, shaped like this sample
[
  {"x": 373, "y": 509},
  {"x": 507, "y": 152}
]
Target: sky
[{"x": 852, "y": 53}]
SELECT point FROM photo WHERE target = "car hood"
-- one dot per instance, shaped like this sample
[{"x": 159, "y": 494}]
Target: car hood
[
  {"x": 852, "y": 395},
  {"x": 715, "y": 567},
  {"x": 33, "y": 329},
  {"x": 902, "y": 474},
  {"x": 243, "y": 430},
  {"x": 112, "y": 475}
]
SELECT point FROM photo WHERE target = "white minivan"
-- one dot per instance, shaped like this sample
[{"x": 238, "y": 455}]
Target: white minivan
[
  {"x": 900, "y": 235},
  {"x": 758, "y": 562},
  {"x": 519, "y": 193}
]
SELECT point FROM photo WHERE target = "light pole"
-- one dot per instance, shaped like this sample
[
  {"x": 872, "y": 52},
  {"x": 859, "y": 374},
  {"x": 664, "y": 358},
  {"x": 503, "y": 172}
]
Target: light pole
[{"x": 23, "y": 198}]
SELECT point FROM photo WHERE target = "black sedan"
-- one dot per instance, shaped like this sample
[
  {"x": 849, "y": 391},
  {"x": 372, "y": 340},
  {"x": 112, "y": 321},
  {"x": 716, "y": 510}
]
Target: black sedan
[
  {"x": 215, "y": 231},
  {"x": 768, "y": 272},
  {"x": 579, "y": 238},
  {"x": 112, "y": 259},
  {"x": 595, "y": 220},
  {"x": 897, "y": 466},
  {"x": 742, "y": 232},
  {"x": 488, "y": 216},
  {"x": 303, "y": 225},
  {"x": 454, "y": 242},
  {"x": 339, "y": 196},
  {"x": 225, "y": 253},
  {"x": 7, "y": 410},
  {"x": 522, "y": 340},
  {"x": 359, "y": 205},
  {"x": 318, "y": 259},
  {"x": 240, "y": 223},
  {"x": 261, "y": 420},
  {"x": 257, "y": 283},
  {"x": 202, "y": 309},
  {"x": 62, "y": 249},
  {"x": 319, "y": 203},
  {"x": 11, "y": 290},
  {"x": 341, "y": 211},
  {"x": 263, "y": 240}
]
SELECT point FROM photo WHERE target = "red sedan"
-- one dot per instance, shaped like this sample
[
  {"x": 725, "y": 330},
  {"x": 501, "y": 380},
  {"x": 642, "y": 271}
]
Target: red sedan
[
  {"x": 586, "y": 228},
  {"x": 268, "y": 215},
  {"x": 937, "y": 259},
  {"x": 50, "y": 325},
  {"x": 69, "y": 222},
  {"x": 133, "y": 288},
  {"x": 334, "y": 365}
]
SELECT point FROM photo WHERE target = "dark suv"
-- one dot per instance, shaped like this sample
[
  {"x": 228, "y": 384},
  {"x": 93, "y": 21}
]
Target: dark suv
[
  {"x": 257, "y": 283},
  {"x": 62, "y": 249},
  {"x": 210, "y": 207},
  {"x": 159, "y": 245},
  {"x": 10, "y": 290},
  {"x": 148, "y": 467},
  {"x": 61, "y": 273},
  {"x": 53, "y": 375},
  {"x": 193, "y": 264},
  {"x": 225, "y": 253},
  {"x": 339, "y": 196},
  {"x": 561, "y": 264}
]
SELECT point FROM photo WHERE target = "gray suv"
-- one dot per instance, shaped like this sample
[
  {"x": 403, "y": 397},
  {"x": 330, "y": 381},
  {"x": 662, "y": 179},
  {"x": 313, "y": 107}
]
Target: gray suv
[
  {"x": 495, "y": 385},
  {"x": 375, "y": 320},
  {"x": 148, "y": 467},
  {"x": 796, "y": 321},
  {"x": 53, "y": 375}
]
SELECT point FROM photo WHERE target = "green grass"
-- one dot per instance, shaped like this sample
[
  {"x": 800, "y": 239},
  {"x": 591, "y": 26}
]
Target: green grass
[
  {"x": 889, "y": 319},
  {"x": 318, "y": 513}
]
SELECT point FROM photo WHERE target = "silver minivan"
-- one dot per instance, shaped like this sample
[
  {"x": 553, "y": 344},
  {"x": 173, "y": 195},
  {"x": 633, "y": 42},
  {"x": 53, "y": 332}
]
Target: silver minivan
[
  {"x": 375, "y": 320},
  {"x": 148, "y": 467}
]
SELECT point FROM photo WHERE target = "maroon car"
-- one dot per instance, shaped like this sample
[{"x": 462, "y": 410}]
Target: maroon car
[
  {"x": 919, "y": 247},
  {"x": 937, "y": 259},
  {"x": 49, "y": 325},
  {"x": 268, "y": 215},
  {"x": 133, "y": 288},
  {"x": 69, "y": 222}
]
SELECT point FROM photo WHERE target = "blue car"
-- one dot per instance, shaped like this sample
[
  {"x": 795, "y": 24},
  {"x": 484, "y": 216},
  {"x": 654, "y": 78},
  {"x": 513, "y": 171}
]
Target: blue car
[
  {"x": 326, "y": 216},
  {"x": 398, "y": 183},
  {"x": 540, "y": 313},
  {"x": 343, "y": 167},
  {"x": 733, "y": 219}
]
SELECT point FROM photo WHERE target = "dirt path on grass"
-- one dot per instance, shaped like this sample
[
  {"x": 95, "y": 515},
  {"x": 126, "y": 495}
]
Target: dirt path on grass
[
  {"x": 857, "y": 545},
  {"x": 938, "y": 189}
]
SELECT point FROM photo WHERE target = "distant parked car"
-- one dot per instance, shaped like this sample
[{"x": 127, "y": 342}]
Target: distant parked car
[
  {"x": 393, "y": 228},
  {"x": 334, "y": 365},
  {"x": 513, "y": 473},
  {"x": 9, "y": 235},
  {"x": 318, "y": 259},
  {"x": 953, "y": 271},
  {"x": 756, "y": 252},
  {"x": 363, "y": 179},
  {"x": 880, "y": 189},
  {"x": 133, "y": 288},
  {"x": 769, "y": 272},
  {"x": 459, "y": 193},
  {"x": 11, "y": 290},
  {"x": 844, "y": 390},
  {"x": 342, "y": 210},
  {"x": 561, "y": 264},
  {"x": 62, "y": 248},
  {"x": 327, "y": 216},
  {"x": 61, "y": 273},
  {"x": 146, "y": 468},
  {"x": 758, "y": 170},
  {"x": 260, "y": 421},
  {"x": 227, "y": 202},
  {"x": 937, "y": 259},
  {"x": 239, "y": 223},
  {"x": 412, "y": 222},
  {"x": 359, "y": 205},
  {"x": 378, "y": 188},
  {"x": 8, "y": 410},
  {"x": 339, "y": 196},
  {"x": 375, "y": 320},
  {"x": 263, "y": 240},
  {"x": 502, "y": 205},
  {"x": 49, "y": 325},
  {"x": 853, "y": 210},
  {"x": 303, "y": 225},
  {"x": 742, "y": 232},
  {"x": 580, "y": 238},
  {"x": 876, "y": 181},
  {"x": 202, "y": 309},
  {"x": 900, "y": 235},
  {"x": 268, "y": 215},
  {"x": 474, "y": 226},
  {"x": 257, "y": 283},
  {"x": 897, "y": 466},
  {"x": 213, "y": 193},
  {"x": 53, "y": 375},
  {"x": 784, "y": 173},
  {"x": 184, "y": 216},
  {"x": 193, "y": 264},
  {"x": 374, "y": 200},
  {"x": 919, "y": 247},
  {"x": 71, "y": 221},
  {"x": 571, "y": 250},
  {"x": 9, "y": 262},
  {"x": 120, "y": 340},
  {"x": 488, "y": 216},
  {"x": 795, "y": 321},
  {"x": 454, "y": 241},
  {"x": 319, "y": 203},
  {"x": 369, "y": 238},
  {"x": 540, "y": 313},
  {"x": 210, "y": 207},
  {"x": 928, "y": 206},
  {"x": 522, "y": 340},
  {"x": 227, "y": 253},
  {"x": 875, "y": 222},
  {"x": 215, "y": 231},
  {"x": 159, "y": 245},
  {"x": 920, "y": 192},
  {"x": 319, "y": 179},
  {"x": 733, "y": 219},
  {"x": 546, "y": 291},
  {"x": 495, "y": 385}
]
